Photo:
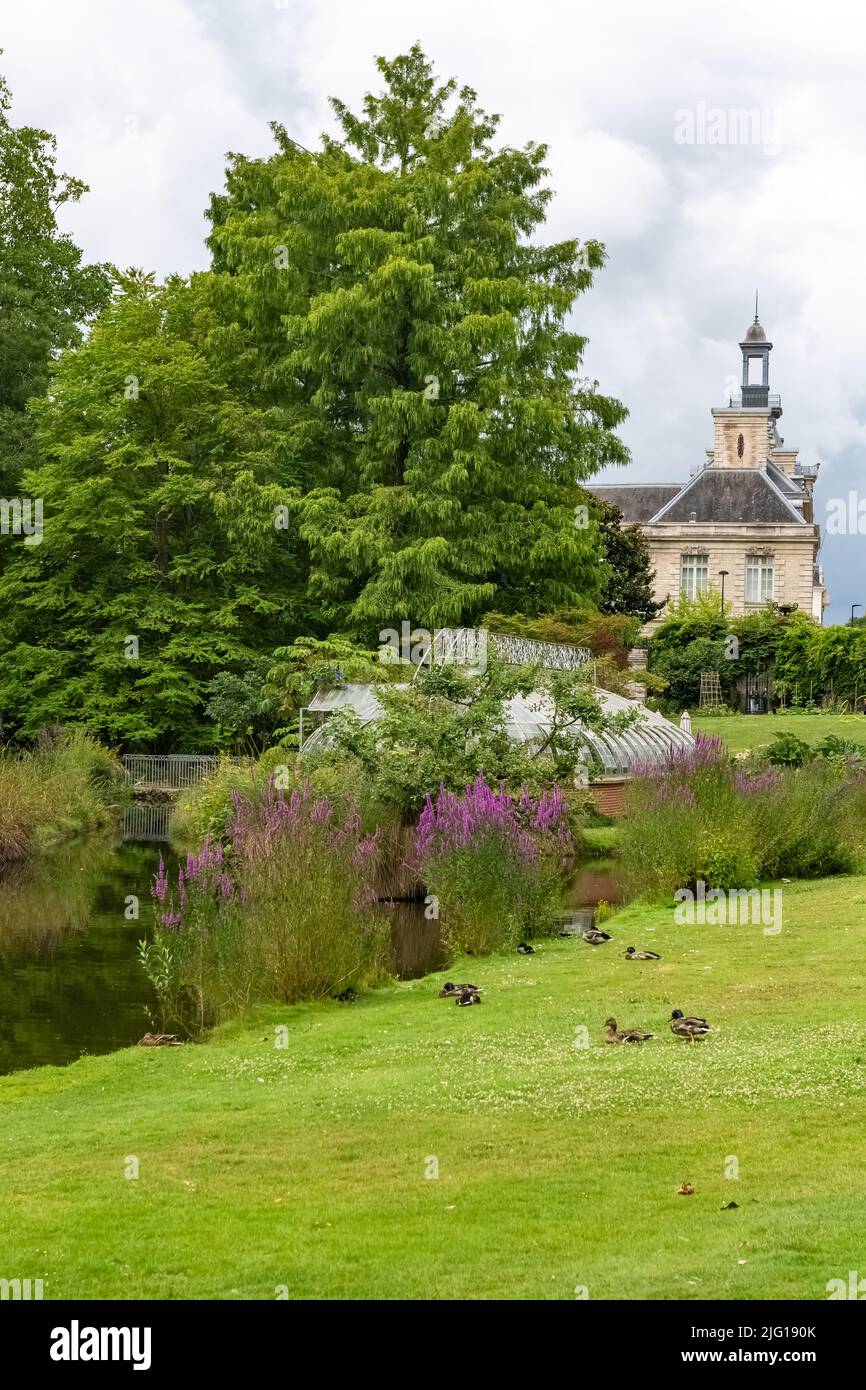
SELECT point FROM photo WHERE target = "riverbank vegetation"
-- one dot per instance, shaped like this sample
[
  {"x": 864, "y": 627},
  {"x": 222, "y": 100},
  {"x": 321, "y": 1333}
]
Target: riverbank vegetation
[
  {"x": 703, "y": 817},
  {"x": 65, "y": 784}
]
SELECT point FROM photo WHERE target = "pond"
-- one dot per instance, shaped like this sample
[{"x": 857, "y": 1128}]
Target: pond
[{"x": 70, "y": 978}]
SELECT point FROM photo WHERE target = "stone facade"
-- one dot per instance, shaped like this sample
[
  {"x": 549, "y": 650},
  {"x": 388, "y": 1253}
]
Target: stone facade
[{"x": 747, "y": 511}]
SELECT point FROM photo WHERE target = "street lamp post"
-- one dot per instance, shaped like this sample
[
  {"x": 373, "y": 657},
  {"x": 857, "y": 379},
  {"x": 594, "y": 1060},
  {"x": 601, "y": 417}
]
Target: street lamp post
[
  {"x": 723, "y": 574},
  {"x": 853, "y": 606}
]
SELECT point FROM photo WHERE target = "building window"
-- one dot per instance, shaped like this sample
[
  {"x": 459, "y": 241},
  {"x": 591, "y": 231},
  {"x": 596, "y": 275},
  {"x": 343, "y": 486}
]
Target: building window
[
  {"x": 694, "y": 570},
  {"x": 759, "y": 578}
]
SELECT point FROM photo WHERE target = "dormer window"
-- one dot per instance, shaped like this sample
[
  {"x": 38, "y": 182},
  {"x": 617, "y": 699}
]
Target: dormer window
[{"x": 694, "y": 574}]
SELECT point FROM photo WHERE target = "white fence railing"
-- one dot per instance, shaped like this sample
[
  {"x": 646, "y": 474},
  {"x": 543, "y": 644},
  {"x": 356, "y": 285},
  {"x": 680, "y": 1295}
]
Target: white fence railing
[
  {"x": 172, "y": 771},
  {"x": 467, "y": 646}
]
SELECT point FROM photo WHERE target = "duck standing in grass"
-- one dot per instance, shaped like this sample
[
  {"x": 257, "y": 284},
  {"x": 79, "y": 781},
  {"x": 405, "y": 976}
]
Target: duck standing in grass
[
  {"x": 594, "y": 936},
  {"x": 688, "y": 1028},
  {"x": 613, "y": 1034},
  {"x": 632, "y": 954}
]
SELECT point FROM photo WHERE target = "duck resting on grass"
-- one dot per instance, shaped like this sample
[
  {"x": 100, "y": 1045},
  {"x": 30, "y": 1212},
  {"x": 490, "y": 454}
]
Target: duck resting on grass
[
  {"x": 449, "y": 990},
  {"x": 159, "y": 1040},
  {"x": 594, "y": 936},
  {"x": 632, "y": 954},
  {"x": 613, "y": 1034},
  {"x": 524, "y": 949},
  {"x": 467, "y": 997},
  {"x": 688, "y": 1028}
]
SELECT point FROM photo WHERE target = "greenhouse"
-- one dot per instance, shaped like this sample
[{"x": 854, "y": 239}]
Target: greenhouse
[{"x": 528, "y": 719}]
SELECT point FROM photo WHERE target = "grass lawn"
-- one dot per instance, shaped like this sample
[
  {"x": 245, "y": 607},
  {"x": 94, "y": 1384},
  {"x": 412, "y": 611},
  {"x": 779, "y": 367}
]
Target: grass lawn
[
  {"x": 558, "y": 1165},
  {"x": 751, "y": 730}
]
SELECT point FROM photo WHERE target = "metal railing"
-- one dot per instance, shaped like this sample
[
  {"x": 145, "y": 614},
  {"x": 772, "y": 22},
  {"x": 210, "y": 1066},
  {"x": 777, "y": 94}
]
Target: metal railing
[
  {"x": 147, "y": 821},
  {"x": 467, "y": 646},
  {"x": 172, "y": 771}
]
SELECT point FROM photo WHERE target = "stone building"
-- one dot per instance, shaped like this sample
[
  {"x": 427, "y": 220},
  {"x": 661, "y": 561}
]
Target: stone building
[{"x": 744, "y": 521}]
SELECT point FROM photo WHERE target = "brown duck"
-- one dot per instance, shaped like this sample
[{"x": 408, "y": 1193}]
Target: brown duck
[{"x": 613, "y": 1034}]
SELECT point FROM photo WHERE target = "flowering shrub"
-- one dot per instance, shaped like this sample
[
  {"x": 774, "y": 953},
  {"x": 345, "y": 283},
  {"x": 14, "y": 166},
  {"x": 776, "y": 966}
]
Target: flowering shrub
[
  {"x": 283, "y": 912},
  {"x": 496, "y": 864},
  {"x": 698, "y": 816}
]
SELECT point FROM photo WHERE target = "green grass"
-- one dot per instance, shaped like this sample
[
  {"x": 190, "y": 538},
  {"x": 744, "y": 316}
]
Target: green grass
[
  {"x": 748, "y": 731},
  {"x": 603, "y": 838},
  {"x": 558, "y": 1166}
]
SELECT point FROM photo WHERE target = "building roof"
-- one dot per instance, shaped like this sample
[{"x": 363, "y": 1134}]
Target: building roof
[
  {"x": 637, "y": 501},
  {"x": 784, "y": 483},
  {"x": 742, "y": 496}
]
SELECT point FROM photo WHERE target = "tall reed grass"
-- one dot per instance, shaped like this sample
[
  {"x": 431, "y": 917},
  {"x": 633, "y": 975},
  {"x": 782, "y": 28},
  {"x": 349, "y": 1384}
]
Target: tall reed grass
[{"x": 65, "y": 784}]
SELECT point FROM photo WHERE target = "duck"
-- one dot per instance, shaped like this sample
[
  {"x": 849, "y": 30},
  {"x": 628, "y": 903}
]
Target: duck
[
  {"x": 632, "y": 954},
  {"x": 613, "y": 1034},
  {"x": 449, "y": 990},
  {"x": 159, "y": 1040},
  {"x": 594, "y": 936},
  {"x": 467, "y": 997},
  {"x": 688, "y": 1028},
  {"x": 524, "y": 949}
]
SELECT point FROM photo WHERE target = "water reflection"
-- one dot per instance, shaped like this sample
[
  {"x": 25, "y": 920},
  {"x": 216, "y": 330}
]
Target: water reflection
[{"x": 70, "y": 979}]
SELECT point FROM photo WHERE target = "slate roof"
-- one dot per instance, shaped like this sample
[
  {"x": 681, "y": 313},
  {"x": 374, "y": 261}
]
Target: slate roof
[
  {"x": 783, "y": 482},
  {"x": 637, "y": 501},
  {"x": 743, "y": 496}
]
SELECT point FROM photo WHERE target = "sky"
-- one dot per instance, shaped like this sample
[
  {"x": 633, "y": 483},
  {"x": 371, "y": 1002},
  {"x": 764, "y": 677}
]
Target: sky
[{"x": 713, "y": 150}]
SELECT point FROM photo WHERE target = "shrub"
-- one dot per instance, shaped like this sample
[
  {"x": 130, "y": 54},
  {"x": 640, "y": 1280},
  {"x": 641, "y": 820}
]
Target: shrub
[
  {"x": 701, "y": 818},
  {"x": 282, "y": 913},
  {"x": 787, "y": 750},
  {"x": 69, "y": 782},
  {"x": 496, "y": 864}
]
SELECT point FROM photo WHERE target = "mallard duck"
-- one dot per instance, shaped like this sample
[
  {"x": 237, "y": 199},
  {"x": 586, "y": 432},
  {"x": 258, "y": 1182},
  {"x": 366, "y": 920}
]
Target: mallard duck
[
  {"x": 466, "y": 997},
  {"x": 159, "y": 1040},
  {"x": 594, "y": 936},
  {"x": 688, "y": 1028},
  {"x": 632, "y": 954},
  {"x": 449, "y": 990},
  {"x": 526, "y": 950},
  {"x": 613, "y": 1034}
]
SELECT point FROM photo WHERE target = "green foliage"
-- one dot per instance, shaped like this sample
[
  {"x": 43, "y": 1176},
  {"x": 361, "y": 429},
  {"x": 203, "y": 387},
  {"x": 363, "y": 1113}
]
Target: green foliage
[
  {"x": 450, "y": 724},
  {"x": 702, "y": 819},
  {"x": 787, "y": 750},
  {"x": 629, "y": 585},
  {"x": 159, "y": 526},
  {"x": 681, "y": 667},
  {"x": 387, "y": 289},
  {"x": 309, "y": 663},
  {"x": 240, "y": 707},
  {"x": 284, "y": 914},
  {"x": 46, "y": 292},
  {"x": 67, "y": 783}
]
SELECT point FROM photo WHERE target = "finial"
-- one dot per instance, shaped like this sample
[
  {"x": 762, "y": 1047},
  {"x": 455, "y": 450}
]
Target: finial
[{"x": 756, "y": 306}]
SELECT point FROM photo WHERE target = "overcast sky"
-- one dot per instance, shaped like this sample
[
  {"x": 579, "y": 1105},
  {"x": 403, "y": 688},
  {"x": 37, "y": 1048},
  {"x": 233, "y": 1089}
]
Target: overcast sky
[{"x": 712, "y": 149}]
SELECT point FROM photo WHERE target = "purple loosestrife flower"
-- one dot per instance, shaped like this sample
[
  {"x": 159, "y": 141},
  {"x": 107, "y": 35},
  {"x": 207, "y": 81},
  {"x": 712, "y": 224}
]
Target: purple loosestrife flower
[{"x": 160, "y": 883}]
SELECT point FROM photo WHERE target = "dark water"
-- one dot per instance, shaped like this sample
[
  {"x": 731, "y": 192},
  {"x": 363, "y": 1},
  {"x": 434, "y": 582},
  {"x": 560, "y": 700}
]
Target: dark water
[{"x": 70, "y": 978}]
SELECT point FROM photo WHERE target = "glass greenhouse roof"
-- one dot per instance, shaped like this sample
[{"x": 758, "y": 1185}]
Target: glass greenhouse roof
[{"x": 529, "y": 717}]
